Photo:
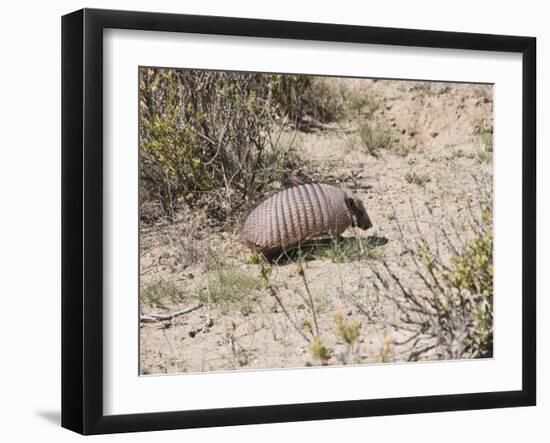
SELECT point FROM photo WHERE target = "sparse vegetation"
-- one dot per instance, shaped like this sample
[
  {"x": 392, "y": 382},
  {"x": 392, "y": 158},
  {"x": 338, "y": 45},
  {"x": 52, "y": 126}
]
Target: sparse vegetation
[
  {"x": 336, "y": 249},
  {"x": 485, "y": 151},
  {"x": 417, "y": 179},
  {"x": 208, "y": 139},
  {"x": 319, "y": 98},
  {"x": 371, "y": 105},
  {"x": 471, "y": 271},
  {"x": 453, "y": 315},
  {"x": 423, "y": 89},
  {"x": 153, "y": 294},
  {"x": 374, "y": 138},
  {"x": 348, "y": 332},
  {"x": 326, "y": 100},
  {"x": 230, "y": 289},
  {"x": 320, "y": 351},
  {"x": 386, "y": 352},
  {"x": 346, "y": 249}
]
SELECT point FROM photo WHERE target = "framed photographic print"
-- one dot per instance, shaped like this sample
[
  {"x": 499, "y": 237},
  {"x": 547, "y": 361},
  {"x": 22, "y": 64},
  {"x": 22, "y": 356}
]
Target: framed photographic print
[{"x": 270, "y": 221}]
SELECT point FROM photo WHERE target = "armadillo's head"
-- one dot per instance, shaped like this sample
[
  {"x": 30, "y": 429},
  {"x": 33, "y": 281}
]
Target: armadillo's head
[{"x": 359, "y": 214}]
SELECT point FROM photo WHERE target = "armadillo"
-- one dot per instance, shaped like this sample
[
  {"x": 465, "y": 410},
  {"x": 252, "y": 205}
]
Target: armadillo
[{"x": 301, "y": 212}]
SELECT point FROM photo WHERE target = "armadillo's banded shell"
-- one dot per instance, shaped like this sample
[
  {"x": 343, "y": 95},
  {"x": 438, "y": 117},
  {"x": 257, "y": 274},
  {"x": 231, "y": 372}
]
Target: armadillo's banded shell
[{"x": 295, "y": 214}]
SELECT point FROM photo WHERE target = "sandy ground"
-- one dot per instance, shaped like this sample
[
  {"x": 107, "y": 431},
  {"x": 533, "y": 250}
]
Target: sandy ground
[{"x": 436, "y": 136}]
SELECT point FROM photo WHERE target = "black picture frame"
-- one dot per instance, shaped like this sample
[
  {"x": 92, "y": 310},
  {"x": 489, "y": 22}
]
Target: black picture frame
[{"x": 82, "y": 218}]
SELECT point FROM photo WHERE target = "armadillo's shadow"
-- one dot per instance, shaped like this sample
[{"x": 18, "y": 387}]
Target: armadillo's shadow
[{"x": 338, "y": 249}]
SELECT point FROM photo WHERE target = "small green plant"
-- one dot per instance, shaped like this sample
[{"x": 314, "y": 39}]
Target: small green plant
[
  {"x": 325, "y": 100},
  {"x": 486, "y": 138},
  {"x": 265, "y": 274},
  {"x": 486, "y": 150},
  {"x": 230, "y": 288},
  {"x": 308, "y": 327},
  {"x": 348, "y": 331},
  {"x": 473, "y": 271},
  {"x": 320, "y": 350},
  {"x": 374, "y": 138},
  {"x": 288, "y": 92},
  {"x": 424, "y": 89},
  {"x": 354, "y": 106},
  {"x": 416, "y": 179},
  {"x": 348, "y": 249},
  {"x": 386, "y": 352},
  {"x": 254, "y": 259},
  {"x": 485, "y": 133},
  {"x": 358, "y": 103},
  {"x": 336, "y": 249},
  {"x": 483, "y": 156},
  {"x": 459, "y": 153},
  {"x": 160, "y": 290},
  {"x": 371, "y": 105}
]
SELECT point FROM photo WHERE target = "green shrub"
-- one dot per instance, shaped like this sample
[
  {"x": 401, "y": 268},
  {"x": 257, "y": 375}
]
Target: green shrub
[
  {"x": 485, "y": 152},
  {"x": 160, "y": 290},
  {"x": 326, "y": 100},
  {"x": 288, "y": 93},
  {"x": 320, "y": 350},
  {"x": 348, "y": 331},
  {"x": 205, "y": 139},
  {"x": 472, "y": 271},
  {"x": 374, "y": 138},
  {"x": 230, "y": 289},
  {"x": 322, "y": 99},
  {"x": 342, "y": 250},
  {"x": 467, "y": 289},
  {"x": 417, "y": 179}
]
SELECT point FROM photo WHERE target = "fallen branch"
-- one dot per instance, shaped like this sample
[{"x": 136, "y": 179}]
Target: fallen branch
[{"x": 152, "y": 318}]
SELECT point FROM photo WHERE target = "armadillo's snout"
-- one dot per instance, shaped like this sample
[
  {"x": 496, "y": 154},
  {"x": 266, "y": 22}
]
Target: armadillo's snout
[
  {"x": 362, "y": 219},
  {"x": 367, "y": 223}
]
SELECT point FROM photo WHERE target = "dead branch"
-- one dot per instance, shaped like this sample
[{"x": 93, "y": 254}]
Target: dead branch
[
  {"x": 152, "y": 318},
  {"x": 273, "y": 293}
]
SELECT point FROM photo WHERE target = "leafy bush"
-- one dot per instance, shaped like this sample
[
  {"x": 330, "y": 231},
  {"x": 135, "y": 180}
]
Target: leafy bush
[{"x": 206, "y": 137}]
